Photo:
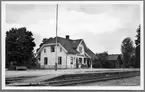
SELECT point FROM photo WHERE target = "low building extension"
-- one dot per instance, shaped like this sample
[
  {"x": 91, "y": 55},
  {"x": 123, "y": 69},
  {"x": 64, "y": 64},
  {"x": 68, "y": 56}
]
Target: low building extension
[{"x": 112, "y": 61}]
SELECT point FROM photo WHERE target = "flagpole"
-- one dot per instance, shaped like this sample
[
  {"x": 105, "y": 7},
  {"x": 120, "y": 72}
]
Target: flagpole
[{"x": 56, "y": 36}]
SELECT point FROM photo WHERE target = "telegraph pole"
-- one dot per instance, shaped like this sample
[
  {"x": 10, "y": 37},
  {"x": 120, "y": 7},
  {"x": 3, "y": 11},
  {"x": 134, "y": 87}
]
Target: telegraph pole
[{"x": 56, "y": 37}]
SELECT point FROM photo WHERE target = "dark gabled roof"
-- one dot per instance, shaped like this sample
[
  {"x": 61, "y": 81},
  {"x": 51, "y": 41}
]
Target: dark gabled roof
[
  {"x": 91, "y": 54},
  {"x": 99, "y": 57},
  {"x": 112, "y": 57},
  {"x": 70, "y": 45},
  {"x": 75, "y": 43}
]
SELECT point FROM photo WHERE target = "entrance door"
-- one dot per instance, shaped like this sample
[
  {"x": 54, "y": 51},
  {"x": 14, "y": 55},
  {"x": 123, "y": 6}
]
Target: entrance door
[
  {"x": 88, "y": 63},
  {"x": 80, "y": 61}
]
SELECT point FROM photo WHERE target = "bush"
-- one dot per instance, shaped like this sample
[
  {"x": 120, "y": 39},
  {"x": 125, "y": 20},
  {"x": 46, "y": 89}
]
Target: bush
[
  {"x": 84, "y": 66},
  {"x": 12, "y": 67},
  {"x": 97, "y": 65}
]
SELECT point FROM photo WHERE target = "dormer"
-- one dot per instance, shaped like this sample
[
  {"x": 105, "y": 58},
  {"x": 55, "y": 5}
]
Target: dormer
[{"x": 80, "y": 48}]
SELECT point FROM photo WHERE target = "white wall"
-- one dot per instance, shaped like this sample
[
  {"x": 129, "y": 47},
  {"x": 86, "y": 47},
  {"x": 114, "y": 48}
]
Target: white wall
[
  {"x": 81, "y": 45},
  {"x": 66, "y": 58},
  {"x": 83, "y": 51},
  {"x": 69, "y": 65},
  {"x": 51, "y": 57}
]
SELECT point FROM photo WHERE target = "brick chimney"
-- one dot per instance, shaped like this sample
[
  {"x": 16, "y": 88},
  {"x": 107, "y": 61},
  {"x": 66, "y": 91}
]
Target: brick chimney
[{"x": 67, "y": 36}]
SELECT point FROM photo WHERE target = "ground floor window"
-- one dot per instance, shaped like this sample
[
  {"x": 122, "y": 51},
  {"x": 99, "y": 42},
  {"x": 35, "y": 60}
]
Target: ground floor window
[
  {"x": 85, "y": 60},
  {"x": 59, "y": 60},
  {"x": 80, "y": 60},
  {"x": 45, "y": 60},
  {"x": 71, "y": 60}
]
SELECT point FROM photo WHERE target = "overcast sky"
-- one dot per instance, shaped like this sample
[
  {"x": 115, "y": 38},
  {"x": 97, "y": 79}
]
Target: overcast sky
[{"x": 102, "y": 26}]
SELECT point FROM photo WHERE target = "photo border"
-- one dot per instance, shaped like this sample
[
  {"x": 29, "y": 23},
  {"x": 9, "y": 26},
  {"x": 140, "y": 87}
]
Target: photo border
[{"x": 141, "y": 87}]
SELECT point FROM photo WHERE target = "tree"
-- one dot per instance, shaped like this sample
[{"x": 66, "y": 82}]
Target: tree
[
  {"x": 102, "y": 55},
  {"x": 19, "y": 47},
  {"x": 133, "y": 61},
  {"x": 137, "y": 41},
  {"x": 137, "y": 51},
  {"x": 43, "y": 41},
  {"x": 127, "y": 50}
]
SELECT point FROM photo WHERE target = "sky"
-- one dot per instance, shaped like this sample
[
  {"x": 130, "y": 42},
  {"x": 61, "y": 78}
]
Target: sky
[{"x": 101, "y": 26}]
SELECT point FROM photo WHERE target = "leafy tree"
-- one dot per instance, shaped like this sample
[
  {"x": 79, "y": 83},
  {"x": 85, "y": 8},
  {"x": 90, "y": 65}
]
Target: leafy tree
[
  {"x": 96, "y": 64},
  {"x": 43, "y": 41},
  {"x": 133, "y": 61},
  {"x": 19, "y": 47},
  {"x": 137, "y": 41},
  {"x": 137, "y": 51},
  {"x": 100, "y": 62},
  {"x": 102, "y": 55},
  {"x": 127, "y": 50}
]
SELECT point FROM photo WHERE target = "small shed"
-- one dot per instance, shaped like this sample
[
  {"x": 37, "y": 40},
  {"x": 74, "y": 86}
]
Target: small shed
[{"x": 112, "y": 61}]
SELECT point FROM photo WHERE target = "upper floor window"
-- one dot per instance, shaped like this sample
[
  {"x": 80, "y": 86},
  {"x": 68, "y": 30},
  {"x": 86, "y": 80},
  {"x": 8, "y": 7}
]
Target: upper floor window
[
  {"x": 80, "y": 49},
  {"x": 59, "y": 60},
  {"x": 44, "y": 50},
  {"x": 60, "y": 49},
  {"x": 52, "y": 48}
]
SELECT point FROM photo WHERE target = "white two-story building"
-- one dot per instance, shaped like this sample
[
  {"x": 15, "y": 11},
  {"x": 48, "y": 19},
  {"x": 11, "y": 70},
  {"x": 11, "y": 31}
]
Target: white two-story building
[{"x": 70, "y": 53}]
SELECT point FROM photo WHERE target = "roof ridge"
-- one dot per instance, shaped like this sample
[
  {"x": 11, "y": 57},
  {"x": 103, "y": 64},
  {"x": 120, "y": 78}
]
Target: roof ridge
[
  {"x": 65, "y": 38},
  {"x": 114, "y": 54}
]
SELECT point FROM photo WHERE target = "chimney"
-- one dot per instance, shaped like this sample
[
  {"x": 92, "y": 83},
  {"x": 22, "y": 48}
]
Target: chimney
[{"x": 67, "y": 36}]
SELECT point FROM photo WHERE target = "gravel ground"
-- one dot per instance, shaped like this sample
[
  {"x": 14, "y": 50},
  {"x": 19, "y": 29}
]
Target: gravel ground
[
  {"x": 51, "y": 73},
  {"x": 132, "y": 81},
  {"x": 9, "y": 74}
]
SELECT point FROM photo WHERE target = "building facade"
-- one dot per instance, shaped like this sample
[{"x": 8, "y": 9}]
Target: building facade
[{"x": 70, "y": 53}]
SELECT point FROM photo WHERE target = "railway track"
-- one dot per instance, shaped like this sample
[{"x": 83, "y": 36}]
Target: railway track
[
  {"x": 79, "y": 80},
  {"x": 17, "y": 79},
  {"x": 73, "y": 79}
]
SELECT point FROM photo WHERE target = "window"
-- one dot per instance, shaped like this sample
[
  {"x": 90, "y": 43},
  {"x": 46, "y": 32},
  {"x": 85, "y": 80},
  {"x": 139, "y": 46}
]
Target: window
[
  {"x": 52, "y": 48},
  {"x": 44, "y": 50},
  {"x": 71, "y": 60},
  {"x": 85, "y": 60},
  {"x": 60, "y": 49},
  {"x": 80, "y": 49},
  {"x": 80, "y": 60},
  {"x": 45, "y": 61},
  {"x": 59, "y": 60},
  {"x": 39, "y": 56}
]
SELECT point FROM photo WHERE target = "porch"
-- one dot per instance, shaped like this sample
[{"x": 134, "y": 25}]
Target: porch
[{"x": 83, "y": 62}]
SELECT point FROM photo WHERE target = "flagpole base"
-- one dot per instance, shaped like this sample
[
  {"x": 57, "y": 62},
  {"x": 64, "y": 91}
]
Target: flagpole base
[{"x": 55, "y": 66}]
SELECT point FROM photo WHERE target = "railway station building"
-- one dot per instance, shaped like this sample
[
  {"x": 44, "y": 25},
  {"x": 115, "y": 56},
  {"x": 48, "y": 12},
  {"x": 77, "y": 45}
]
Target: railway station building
[{"x": 70, "y": 53}]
